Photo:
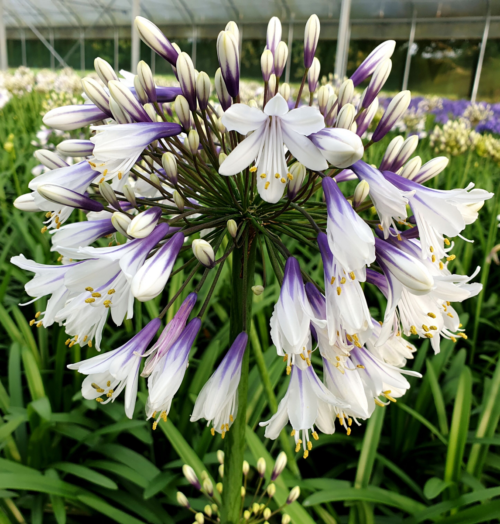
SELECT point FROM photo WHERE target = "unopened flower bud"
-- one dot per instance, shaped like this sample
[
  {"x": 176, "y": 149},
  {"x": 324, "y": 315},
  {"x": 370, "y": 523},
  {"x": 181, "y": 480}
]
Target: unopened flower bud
[
  {"x": 252, "y": 103},
  {"x": 243, "y": 491},
  {"x": 204, "y": 475},
  {"x": 297, "y": 172},
  {"x": 271, "y": 490},
  {"x": 186, "y": 76},
  {"x": 232, "y": 227},
  {"x": 431, "y": 169},
  {"x": 245, "y": 468},
  {"x": 311, "y": 37},
  {"x": 272, "y": 85},
  {"x": 208, "y": 487},
  {"x": 360, "y": 193},
  {"x": 151, "y": 111},
  {"x": 109, "y": 195},
  {"x": 379, "y": 78},
  {"x": 354, "y": 127},
  {"x": 229, "y": 61},
  {"x": 204, "y": 252},
  {"x": 181, "y": 107},
  {"x": 208, "y": 510},
  {"x": 139, "y": 91},
  {"x": 220, "y": 456},
  {"x": 179, "y": 201},
  {"x": 285, "y": 519},
  {"x": 266, "y": 513},
  {"x": 346, "y": 93},
  {"x": 365, "y": 118},
  {"x": 255, "y": 508},
  {"x": 152, "y": 36},
  {"x": 232, "y": 27},
  {"x": 408, "y": 148},
  {"x": 67, "y": 197},
  {"x": 169, "y": 164},
  {"x": 191, "y": 477},
  {"x": 261, "y": 466},
  {"x": 199, "y": 518},
  {"x": 266, "y": 64},
  {"x": 313, "y": 75},
  {"x": 219, "y": 487},
  {"x": 75, "y": 148},
  {"x": 222, "y": 129},
  {"x": 345, "y": 117},
  {"x": 153, "y": 178},
  {"x": 221, "y": 471},
  {"x": 142, "y": 225},
  {"x": 68, "y": 118},
  {"x": 222, "y": 157},
  {"x": 332, "y": 109},
  {"x": 26, "y": 203},
  {"x": 257, "y": 290},
  {"x": 203, "y": 89},
  {"x": 280, "y": 58},
  {"x": 273, "y": 36},
  {"x": 221, "y": 90},
  {"x": 323, "y": 96},
  {"x": 284, "y": 90},
  {"x": 411, "y": 168},
  {"x": 395, "y": 110},
  {"x": 246, "y": 515},
  {"x": 193, "y": 140},
  {"x": 293, "y": 495},
  {"x": 146, "y": 79},
  {"x": 49, "y": 159},
  {"x": 119, "y": 115},
  {"x": 391, "y": 153},
  {"x": 370, "y": 63},
  {"x": 129, "y": 195},
  {"x": 182, "y": 499},
  {"x": 96, "y": 94},
  {"x": 104, "y": 71},
  {"x": 127, "y": 101},
  {"x": 279, "y": 466}
]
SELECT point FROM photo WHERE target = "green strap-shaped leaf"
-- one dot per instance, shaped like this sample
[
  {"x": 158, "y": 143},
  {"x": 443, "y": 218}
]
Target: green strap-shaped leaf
[
  {"x": 85, "y": 473},
  {"x": 106, "y": 509},
  {"x": 33, "y": 482}
]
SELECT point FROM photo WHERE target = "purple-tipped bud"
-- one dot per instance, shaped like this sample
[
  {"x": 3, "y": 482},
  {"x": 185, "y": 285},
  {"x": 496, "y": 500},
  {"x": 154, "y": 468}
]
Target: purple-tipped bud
[
  {"x": 229, "y": 61},
  {"x": 399, "y": 104},
  {"x": 181, "y": 107},
  {"x": 204, "y": 252},
  {"x": 411, "y": 168},
  {"x": 408, "y": 148},
  {"x": 345, "y": 117},
  {"x": 69, "y": 118},
  {"x": 273, "y": 36},
  {"x": 203, "y": 89},
  {"x": 191, "y": 476},
  {"x": 266, "y": 64},
  {"x": 49, "y": 159},
  {"x": 431, "y": 169},
  {"x": 365, "y": 118},
  {"x": 298, "y": 172},
  {"x": 313, "y": 75},
  {"x": 311, "y": 37},
  {"x": 232, "y": 27},
  {"x": 169, "y": 164},
  {"x": 75, "y": 148},
  {"x": 104, "y": 71},
  {"x": 127, "y": 102},
  {"x": 96, "y": 94},
  {"x": 156, "y": 40},
  {"x": 280, "y": 58},
  {"x": 222, "y": 92},
  {"x": 66, "y": 197},
  {"x": 109, "y": 195},
  {"x": 140, "y": 94},
  {"x": 279, "y": 466},
  {"x": 144, "y": 223},
  {"x": 369, "y": 64},
  {"x": 379, "y": 78},
  {"x": 146, "y": 79},
  {"x": 187, "y": 79},
  {"x": 346, "y": 93},
  {"x": 391, "y": 153}
]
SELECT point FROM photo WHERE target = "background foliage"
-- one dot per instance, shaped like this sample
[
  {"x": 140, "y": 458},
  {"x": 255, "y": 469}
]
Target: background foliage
[{"x": 432, "y": 457}]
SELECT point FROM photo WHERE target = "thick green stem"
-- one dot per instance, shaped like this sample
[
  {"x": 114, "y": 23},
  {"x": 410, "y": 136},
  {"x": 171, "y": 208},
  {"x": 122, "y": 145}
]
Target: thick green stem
[{"x": 234, "y": 443}]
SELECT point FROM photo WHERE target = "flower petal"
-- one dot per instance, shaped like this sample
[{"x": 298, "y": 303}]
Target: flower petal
[
  {"x": 303, "y": 149},
  {"x": 243, "y": 118},
  {"x": 244, "y": 153},
  {"x": 304, "y": 120},
  {"x": 277, "y": 106}
]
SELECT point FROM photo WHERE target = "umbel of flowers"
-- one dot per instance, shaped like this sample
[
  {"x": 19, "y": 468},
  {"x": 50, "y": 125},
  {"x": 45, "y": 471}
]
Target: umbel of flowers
[{"x": 180, "y": 173}]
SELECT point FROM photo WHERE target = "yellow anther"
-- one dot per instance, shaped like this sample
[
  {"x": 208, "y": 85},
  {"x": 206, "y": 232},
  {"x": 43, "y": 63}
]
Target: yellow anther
[
  {"x": 283, "y": 180},
  {"x": 56, "y": 220},
  {"x": 90, "y": 343},
  {"x": 96, "y": 295},
  {"x": 120, "y": 174},
  {"x": 441, "y": 265},
  {"x": 352, "y": 275},
  {"x": 223, "y": 434},
  {"x": 399, "y": 237},
  {"x": 292, "y": 434},
  {"x": 288, "y": 370},
  {"x": 349, "y": 338},
  {"x": 102, "y": 180},
  {"x": 428, "y": 335},
  {"x": 58, "y": 226},
  {"x": 212, "y": 431},
  {"x": 111, "y": 291},
  {"x": 39, "y": 324},
  {"x": 297, "y": 447},
  {"x": 413, "y": 330},
  {"x": 109, "y": 393},
  {"x": 309, "y": 445},
  {"x": 425, "y": 328},
  {"x": 431, "y": 249},
  {"x": 285, "y": 358},
  {"x": 89, "y": 300},
  {"x": 306, "y": 453},
  {"x": 447, "y": 242},
  {"x": 450, "y": 258},
  {"x": 277, "y": 175},
  {"x": 48, "y": 214},
  {"x": 348, "y": 431},
  {"x": 164, "y": 416},
  {"x": 430, "y": 314},
  {"x": 377, "y": 401},
  {"x": 448, "y": 303},
  {"x": 339, "y": 290},
  {"x": 342, "y": 280},
  {"x": 434, "y": 258},
  {"x": 253, "y": 169},
  {"x": 231, "y": 418},
  {"x": 450, "y": 315},
  {"x": 107, "y": 303},
  {"x": 32, "y": 322},
  {"x": 89, "y": 289},
  {"x": 85, "y": 338},
  {"x": 315, "y": 435},
  {"x": 380, "y": 227},
  {"x": 453, "y": 339},
  {"x": 388, "y": 397},
  {"x": 91, "y": 163},
  {"x": 302, "y": 356},
  {"x": 44, "y": 228},
  {"x": 99, "y": 399},
  {"x": 289, "y": 176},
  {"x": 359, "y": 366},
  {"x": 349, "y": 421},
  {"x": 434, "y": 328},
  {"x": 155, "y": 424},
  {"x": 463, "y": 335},
  {"x": 332, "y": 281},
  {"x": 263, "y": 175},
  {"x": 460, "y": 325},
  {"x": 308, "y": 361},
  {"x": 267, "y": 185}
]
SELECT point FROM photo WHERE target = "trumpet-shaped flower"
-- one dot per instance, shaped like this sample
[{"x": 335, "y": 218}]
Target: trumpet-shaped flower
[
  {"x": 81, "y": 234},
  {"x": 218, "y": 400},
  {"x": 272, "y": 128},
  {"x": 108, "y": 374},
  {"x": 340, "y": 147}
]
